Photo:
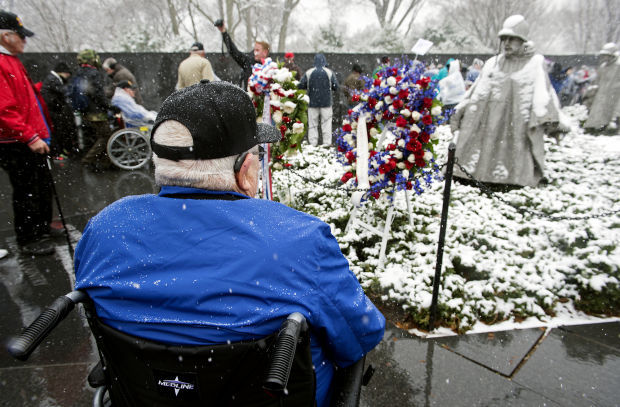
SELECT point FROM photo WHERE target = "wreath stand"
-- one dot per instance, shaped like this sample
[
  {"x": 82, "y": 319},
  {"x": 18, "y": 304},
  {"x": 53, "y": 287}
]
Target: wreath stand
[
  {"x": 266, "y": 180},
  {"x": 364, "y": 183}
]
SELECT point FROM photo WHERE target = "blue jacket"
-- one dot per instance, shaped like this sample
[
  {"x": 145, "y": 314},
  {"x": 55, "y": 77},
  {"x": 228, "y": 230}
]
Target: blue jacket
[
  {"x": 320, "y": 82},
  {"x": 204, "y": 271}
]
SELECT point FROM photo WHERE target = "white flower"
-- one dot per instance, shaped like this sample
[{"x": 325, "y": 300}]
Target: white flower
[
  {"x": 275, "y": 86},
  {"x": 354, "y": 125},
  {"x": 374, "y": 131},
  {"x": 398, "y": 154},
  {"x": 277, "y": 116},
  {"x": 282, "y": 75},
  {"x": 401, "y": 143},
  {"x": 388, "y": 99},
  {"x": 306, "y": 98},
  {"x": 273, "y": 65},
  {"x": 391, "y": 81},
  {"x": 289, "y": 107},
  {"x": 436, "y": 111},
  {"x": 414, "y": 127},
  {"x": 349, "y": 139},
  {"x": 405, "y": 112},
  {"x": 405, "y": 173},
  {"x": 411, "y": 158},
  {"x": 392, "y": 110},
  {"x": 378, "y": 117},
  {"x": 393, "y": 90},
  {"x": 277, "y": 166},
  {"x": 416, "y": 115},
  {"x": 428, "y": 156},
  {"x": 401, "y": 165},
  {"x": 289, "y": 93},
  {"x": 295, "y": 82},
  {"x": 298, "y": 128},
  {"x": 275, "y": 103},
  {"x": 435, "y": 136},
  {"x": 379, "y": 105}
]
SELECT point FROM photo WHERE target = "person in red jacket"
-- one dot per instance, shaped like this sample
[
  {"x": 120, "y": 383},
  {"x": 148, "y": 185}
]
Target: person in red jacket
[{"x": 24, "y": 138}]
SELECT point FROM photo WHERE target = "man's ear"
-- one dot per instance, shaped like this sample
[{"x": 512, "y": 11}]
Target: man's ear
[{"x": 243, "y": 177}]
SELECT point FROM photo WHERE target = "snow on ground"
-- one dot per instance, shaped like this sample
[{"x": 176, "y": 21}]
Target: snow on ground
[{"x": 502, "y": 265}]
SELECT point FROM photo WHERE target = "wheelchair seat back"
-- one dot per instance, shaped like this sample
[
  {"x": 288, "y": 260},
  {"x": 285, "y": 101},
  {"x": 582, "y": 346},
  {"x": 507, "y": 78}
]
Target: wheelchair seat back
[{"x": 141, "y": 372}]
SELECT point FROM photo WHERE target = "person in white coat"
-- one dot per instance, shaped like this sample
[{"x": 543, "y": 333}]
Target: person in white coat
[{"x": 132, "y": 112}]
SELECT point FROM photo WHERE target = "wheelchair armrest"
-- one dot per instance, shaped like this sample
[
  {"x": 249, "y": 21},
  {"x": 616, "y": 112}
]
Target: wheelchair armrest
[
  {"x": 284, "y": 353},
  {"x": 20, "y": 347},
  {"x": 347, "y": 385},
  {"x": 96, "y": 377}
]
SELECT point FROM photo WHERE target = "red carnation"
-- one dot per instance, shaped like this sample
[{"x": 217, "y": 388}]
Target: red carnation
[
  {"x": 392, "y": 177},
  {"x": 394, "y": 71},
  {"x": 403, "y": 94},
  {"x": 279, "y": 157},
  {"x": 401, "y": 121},
  {"x": 426, "y": 119},
  {"x": 387, "y": 115},
  {"x": 286, "y": 119},
  {"x": 350, "y": 156},
  {"x": 399, "y": 78},
  {"x": 349, "y": 111},
  {"x": 293, "y": 145},
  {"x": 346, "y": 127},
  {"x": 375, "y": 194},
  {"x": 347, "y": 176},
  {"x": 408, "y": 185},
  {"x": 408, "y": 164},
  {"x": 391, "y": 147},
  {"x": 424, "y": 137},
  {"x": 287, "y": 165},
  {"x": 372, "y": 153},
  {"x": 428, "y": 102},
  {"x": 420, "y": 162},
  {"x": 372, "y": 102},
  {"x": 340, "y": 149},
  {"x": 355, "y": 98},
  {"x": 397, "y": 104},
  {"x": 383, "y": 169},
  {"x": 377, "y": 82}
]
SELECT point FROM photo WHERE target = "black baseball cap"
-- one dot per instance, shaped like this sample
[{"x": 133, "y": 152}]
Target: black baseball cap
[
  {"x": 197, "y": 46},
  {"x": 126, "y": 84},
  {"x": 220, "y": 117},
  {"x": 10, "y": 21}
]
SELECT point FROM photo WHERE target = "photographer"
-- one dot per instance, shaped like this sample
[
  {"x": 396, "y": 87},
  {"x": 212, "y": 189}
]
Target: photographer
[{"x": 245, "y": 61}]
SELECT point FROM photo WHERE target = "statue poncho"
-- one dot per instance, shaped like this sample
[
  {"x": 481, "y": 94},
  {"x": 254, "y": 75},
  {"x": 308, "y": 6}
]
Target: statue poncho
[
  {"x": 606, "y": 104},
  {"x": 502, "y": 119}
]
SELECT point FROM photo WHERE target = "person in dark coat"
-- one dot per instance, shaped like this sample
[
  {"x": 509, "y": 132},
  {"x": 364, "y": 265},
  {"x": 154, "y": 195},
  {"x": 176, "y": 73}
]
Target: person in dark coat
[
  {"x": 54, "y": 92},
  {"x": 320, "y": 82},
  {"x": 289, "y": 63},
  {"x": 118, "y": 73},
  {"x": 245, "y": 61},
  {"x": 89, "y": 81},
  {"x": 352, "y": 84}
]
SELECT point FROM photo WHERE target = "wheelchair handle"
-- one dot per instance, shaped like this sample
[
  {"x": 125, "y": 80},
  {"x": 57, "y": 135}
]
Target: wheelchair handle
[
  {"x": 22, "y": 346},
  {"x": 284, "y": 353}
]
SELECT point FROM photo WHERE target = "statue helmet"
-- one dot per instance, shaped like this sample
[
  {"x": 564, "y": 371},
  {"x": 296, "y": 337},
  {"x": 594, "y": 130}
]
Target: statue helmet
[
  {"x": 609, "y": 49},
  {"x": 90, "y": 57},
  {"x": 515, "y": 26}
]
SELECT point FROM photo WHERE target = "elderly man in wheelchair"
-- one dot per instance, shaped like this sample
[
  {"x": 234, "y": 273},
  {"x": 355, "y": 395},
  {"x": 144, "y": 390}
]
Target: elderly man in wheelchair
[
  {"x": 129, "y": 148},
  {"x": 186, "y": 291}
]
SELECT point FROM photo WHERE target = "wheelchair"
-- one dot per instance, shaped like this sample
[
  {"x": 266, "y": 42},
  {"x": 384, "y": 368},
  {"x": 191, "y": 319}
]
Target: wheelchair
[
  {"x": 130, "y": 148},
  {"x": 272, "y": 371}
]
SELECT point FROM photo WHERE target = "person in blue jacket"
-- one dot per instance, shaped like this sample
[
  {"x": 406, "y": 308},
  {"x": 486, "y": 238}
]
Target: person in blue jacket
[
  {"x": 320, "y": 82},
  {"x": 203, "y": 262},
  {"x": 133, "y": 113}
]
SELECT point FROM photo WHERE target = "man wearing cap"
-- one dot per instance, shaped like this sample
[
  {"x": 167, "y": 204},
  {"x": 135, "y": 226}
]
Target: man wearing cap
[
  {"x": 24, "y": 134},
  {"x": 195, "y": 67},
  {"x": 132, "y": 111},
  {"x": 505, "y": 114},
  {"x": 54, "y": 90},
  {"x": 245, "y": 61},
  {"x": 289, "y": 63},
  {"x": 118, "y": 73},
  {"x": 605, "y": 108},
  {"x": 203, "y": 262},
  {"x": 89, "y": 84}
]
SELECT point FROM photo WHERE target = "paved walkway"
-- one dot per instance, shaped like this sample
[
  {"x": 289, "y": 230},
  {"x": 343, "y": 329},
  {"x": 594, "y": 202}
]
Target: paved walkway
[{"x": 566, "y": 366}]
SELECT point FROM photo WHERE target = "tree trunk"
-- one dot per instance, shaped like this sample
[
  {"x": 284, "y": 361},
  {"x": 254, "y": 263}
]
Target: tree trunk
[
  {"x": 174, "y": 19},
  {"x": 289, "y": 5}
]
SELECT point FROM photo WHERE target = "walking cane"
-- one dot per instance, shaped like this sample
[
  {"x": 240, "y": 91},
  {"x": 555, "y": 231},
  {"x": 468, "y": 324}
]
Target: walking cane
[{"x": 62, "y": 218}]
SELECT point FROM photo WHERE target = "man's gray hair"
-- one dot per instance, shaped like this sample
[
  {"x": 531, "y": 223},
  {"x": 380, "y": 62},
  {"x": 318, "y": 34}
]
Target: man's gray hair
[{"x": 216, "y": 174}]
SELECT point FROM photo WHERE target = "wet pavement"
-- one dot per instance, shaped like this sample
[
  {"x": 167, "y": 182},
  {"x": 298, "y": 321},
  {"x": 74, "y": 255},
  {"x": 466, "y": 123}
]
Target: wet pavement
[{"x": 565, "y": 366}]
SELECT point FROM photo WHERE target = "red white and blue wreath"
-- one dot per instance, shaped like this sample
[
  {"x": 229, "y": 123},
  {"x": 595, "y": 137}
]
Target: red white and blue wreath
[{"x": 401, "y": 111}]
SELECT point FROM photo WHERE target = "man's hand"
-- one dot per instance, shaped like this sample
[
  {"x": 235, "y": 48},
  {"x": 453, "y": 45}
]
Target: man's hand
[
  {"x": 222, "y": 28},
  {"x": 39, "y": 147}
]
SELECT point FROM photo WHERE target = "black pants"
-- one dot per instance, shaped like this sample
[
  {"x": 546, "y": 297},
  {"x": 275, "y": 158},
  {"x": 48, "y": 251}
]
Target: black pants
[
  {"x": 100, "y": 132},
  {"x": 32, "y": 191}
]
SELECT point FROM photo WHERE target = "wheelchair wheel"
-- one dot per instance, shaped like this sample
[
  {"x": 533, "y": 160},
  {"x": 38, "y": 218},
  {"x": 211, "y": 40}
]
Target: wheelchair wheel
[{"x": 129, "y": 149}]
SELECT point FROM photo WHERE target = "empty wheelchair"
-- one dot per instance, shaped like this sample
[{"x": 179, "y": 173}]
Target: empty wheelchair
[{"x": 272, "y": 371}]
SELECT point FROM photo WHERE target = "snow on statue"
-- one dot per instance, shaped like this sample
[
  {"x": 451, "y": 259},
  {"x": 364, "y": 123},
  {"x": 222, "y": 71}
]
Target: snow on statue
[
  {"x": 605, "y": 108},
  {"x": 505, "y": 113}
]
